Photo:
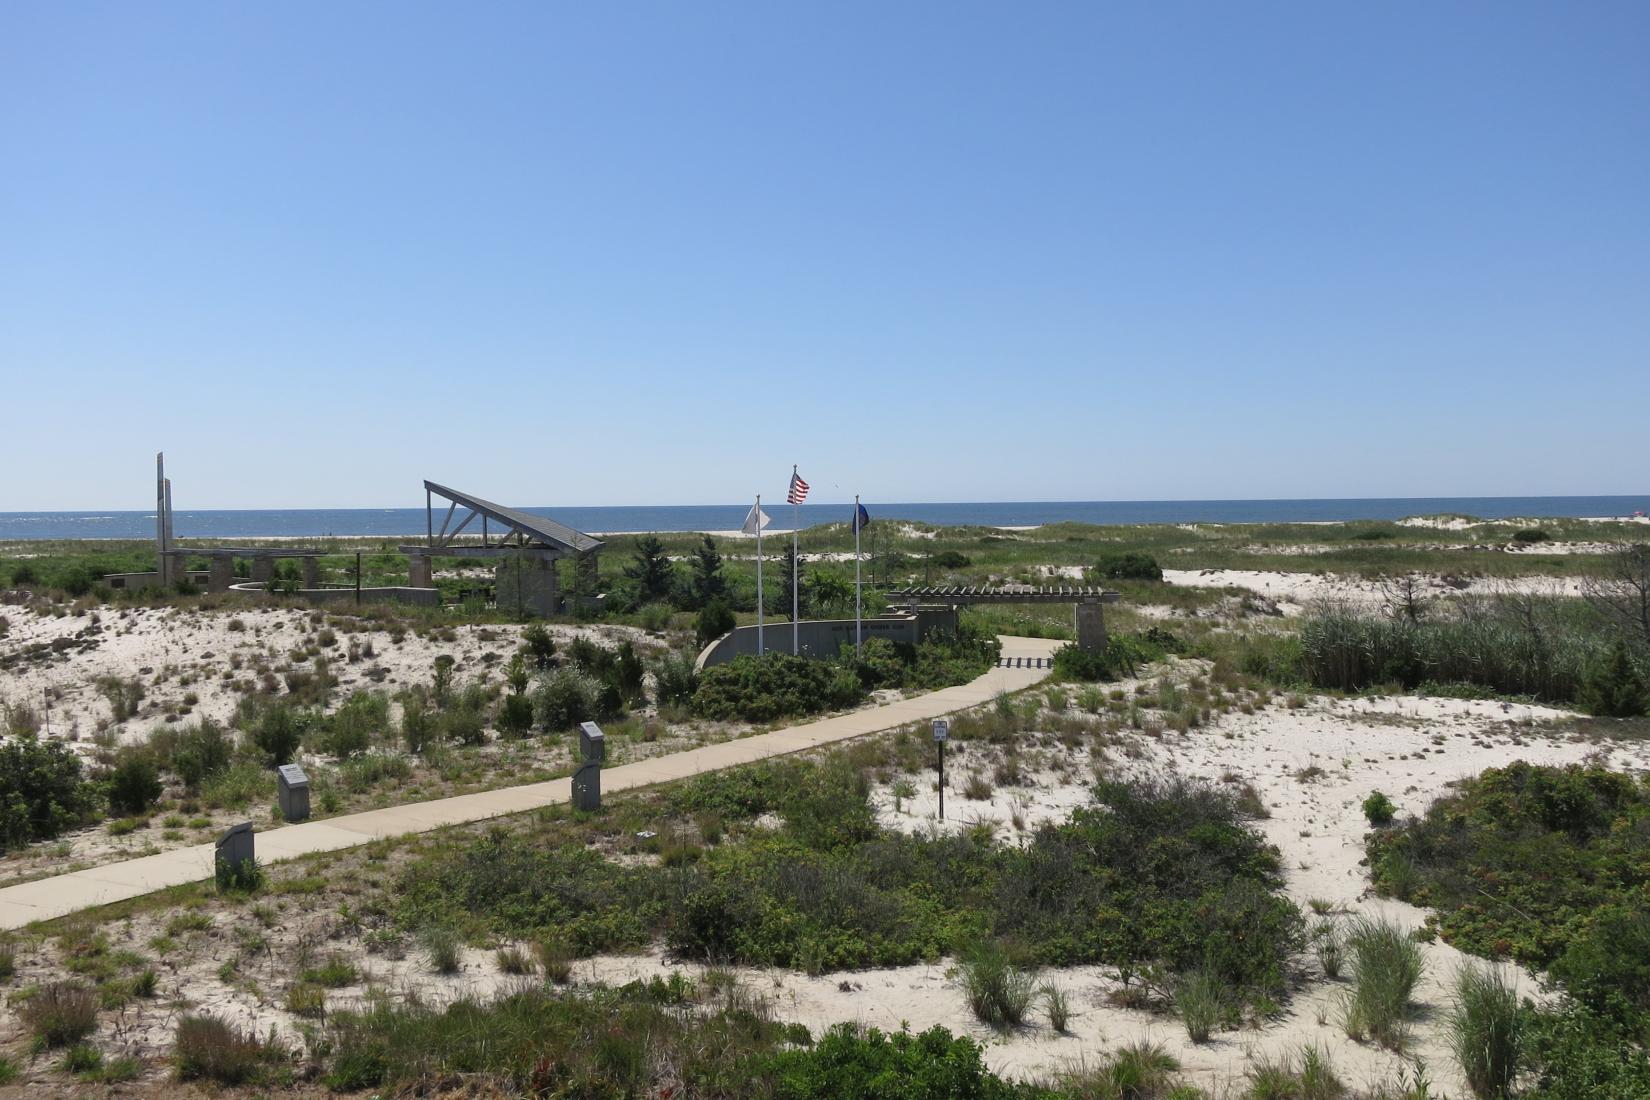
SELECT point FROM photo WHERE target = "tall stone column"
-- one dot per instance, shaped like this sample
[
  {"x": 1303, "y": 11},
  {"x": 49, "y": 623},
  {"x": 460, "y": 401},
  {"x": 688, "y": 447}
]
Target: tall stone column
[
  {"x": 222, "y": 573},
  {"x": 418, "y": 571},
  {"x": 312, "y": 573},
  {"x": 1091, "y": 626},
  {"x": 263, "y": 569}
]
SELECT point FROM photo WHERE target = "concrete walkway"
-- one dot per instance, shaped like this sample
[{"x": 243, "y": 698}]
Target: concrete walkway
[{"x": 46, "y": 898}]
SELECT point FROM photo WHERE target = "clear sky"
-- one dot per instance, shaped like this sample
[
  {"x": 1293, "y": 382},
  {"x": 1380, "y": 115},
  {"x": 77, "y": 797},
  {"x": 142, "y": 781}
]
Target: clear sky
[{"x": 637, "y": 253}]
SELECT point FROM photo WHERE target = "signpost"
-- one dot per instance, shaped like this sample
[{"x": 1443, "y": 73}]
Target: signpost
[{"x": 942, "y": 731}]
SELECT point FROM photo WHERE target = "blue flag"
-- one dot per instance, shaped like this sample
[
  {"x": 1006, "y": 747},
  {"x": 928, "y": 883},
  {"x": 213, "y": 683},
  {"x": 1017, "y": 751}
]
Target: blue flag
[{"x": 862, "y": 518}]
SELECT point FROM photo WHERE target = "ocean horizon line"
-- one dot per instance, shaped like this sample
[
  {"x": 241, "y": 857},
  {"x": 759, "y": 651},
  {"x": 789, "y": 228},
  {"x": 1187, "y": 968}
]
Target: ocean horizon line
[{"x": 663, "y": 518}]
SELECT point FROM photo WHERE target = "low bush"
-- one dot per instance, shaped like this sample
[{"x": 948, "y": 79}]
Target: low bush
[
  {"x": 134, "y": 785},
  {"x": 43, "y": 791},
  {"x": 774, "y": 685},
  {"x": 200, "y": 751},
  {"x": 1131, "y": 565},
  {"x": 714, "y": 620},
  {"x": 278, "y": 733},
  {"x": 1614, "y": 688},
  {"x": 563, "y": 698},
  {"x": 1123, "y": 654},
  {"x": 207, "y": 1048},
  {"x": 1523, "y": 861},
  {"x": 361, "y": 720},
  {"x": 1379, "y": 810},
  {"x": 675, "y": 679},
  {"x": 60, "y": 1013},
  {"x": 515, "y": 714},
  {"x": 872, "y": 1065}
]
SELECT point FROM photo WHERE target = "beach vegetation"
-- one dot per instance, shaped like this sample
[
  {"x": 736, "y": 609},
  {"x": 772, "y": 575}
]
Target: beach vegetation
[{"x": 44, "y": 791}]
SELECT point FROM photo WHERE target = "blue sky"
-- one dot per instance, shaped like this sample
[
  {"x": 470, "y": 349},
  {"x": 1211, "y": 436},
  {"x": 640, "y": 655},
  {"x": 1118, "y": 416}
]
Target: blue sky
[{"x": 656, "y": 253}]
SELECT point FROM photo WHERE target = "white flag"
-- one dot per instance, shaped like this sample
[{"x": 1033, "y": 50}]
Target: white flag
[{"x": 755, "y": 522}]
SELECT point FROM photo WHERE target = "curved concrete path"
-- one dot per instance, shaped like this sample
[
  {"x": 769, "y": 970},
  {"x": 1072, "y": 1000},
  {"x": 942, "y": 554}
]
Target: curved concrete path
[{"x": 60, "y": 895}]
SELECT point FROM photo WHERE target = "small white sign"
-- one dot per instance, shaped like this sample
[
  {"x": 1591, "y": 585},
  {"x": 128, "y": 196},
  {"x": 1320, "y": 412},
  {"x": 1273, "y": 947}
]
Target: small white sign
[{"x": 942, "y": 729}]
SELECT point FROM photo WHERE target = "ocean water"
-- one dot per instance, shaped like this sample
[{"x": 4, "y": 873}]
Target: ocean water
[{"x": 316, "y": 522}]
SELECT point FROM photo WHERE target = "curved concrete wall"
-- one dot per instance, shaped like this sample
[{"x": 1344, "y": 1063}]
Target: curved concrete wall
[{"x": 826, "y": 637}]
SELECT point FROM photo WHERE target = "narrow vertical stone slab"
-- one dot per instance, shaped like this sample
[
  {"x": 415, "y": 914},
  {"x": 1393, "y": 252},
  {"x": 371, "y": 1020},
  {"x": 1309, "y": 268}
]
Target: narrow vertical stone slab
[
  {"x": 1091, "y": 626},
  {"x": 587, "y": 781},
  {"x": 235, "y": 846}
]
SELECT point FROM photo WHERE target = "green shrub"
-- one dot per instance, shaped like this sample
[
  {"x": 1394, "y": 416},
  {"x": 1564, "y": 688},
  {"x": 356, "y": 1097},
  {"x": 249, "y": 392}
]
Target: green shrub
[
  {"x": 675, "y": 679},
  {"x": 464, "y": 725},
  {"x": 539, "y": 646},
  {"x": 1131, "y": 565},
  {"x": 134, "y": 785},
  {"x": 42, "y": 791},
  {"x": 774, "y": 685},
  {"x": 353, "y": 728},
  {"x": 201, "y": 750},
  {"x": 951, "y": 559},
  {"x": 1522, "y": 860},
  {"x": 715, "y": 619},
  {"x": 564, "y": 698},
  {"x": 1124, "y": 653},
  {"x": 1605, "y": 962},
  {"x": 871, "y": 1065},
  {"x": 279, "y": 733},
  {"x": 417, "y": 724},
  {"x": 1379, "y": 809},
  {"x": 1531, "y": 534},
  {"x": 515, "y": 714},
  {"x": 1486, "y": 1027},
  {"x": 1614, "y": 688},
  {"x": 60, "y": 1013}
]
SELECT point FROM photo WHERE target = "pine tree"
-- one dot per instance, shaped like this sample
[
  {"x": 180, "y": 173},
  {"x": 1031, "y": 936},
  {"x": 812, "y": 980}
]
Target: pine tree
[
  {"x": 709, "y": 585},
  {"x": 791, "y": 574},
  {"x": 1615, "y": 689},
  {"x": 651, "y": 570}
]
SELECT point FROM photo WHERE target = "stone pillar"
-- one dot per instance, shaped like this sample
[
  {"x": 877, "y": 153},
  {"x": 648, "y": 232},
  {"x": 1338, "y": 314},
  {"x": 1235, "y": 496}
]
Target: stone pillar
[
  {"x": 418, "y": 571},
  {"x": 527, "y": 585},
  {"x": 587, "y": 781},
  {"x": 1091, "y": 626},
  {"x": 263, "y": 570},
  {"x": 312, "y": 573},
  {"x": 222, "y": 573}
]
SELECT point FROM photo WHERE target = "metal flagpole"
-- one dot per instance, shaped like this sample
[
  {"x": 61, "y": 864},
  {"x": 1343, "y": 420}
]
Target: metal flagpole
[
  {"x": 859, "y": 626},
  {"x": 796, "y": 576},
  {"x": 759, "y": 648}
]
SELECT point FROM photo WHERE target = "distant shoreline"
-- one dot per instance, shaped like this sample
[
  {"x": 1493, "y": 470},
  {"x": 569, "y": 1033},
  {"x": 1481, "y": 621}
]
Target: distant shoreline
[{"x": 725, "y": 520}]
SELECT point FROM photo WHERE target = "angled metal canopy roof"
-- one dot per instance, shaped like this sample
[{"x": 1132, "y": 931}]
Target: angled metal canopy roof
[{"x": 534, "y": 529}]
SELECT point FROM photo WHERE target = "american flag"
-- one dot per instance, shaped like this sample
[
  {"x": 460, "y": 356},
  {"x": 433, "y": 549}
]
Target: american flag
[{"x": 799, "y": 489}]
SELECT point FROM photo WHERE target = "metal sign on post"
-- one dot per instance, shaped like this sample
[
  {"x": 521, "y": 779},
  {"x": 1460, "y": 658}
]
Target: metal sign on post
[{"x": 942, "y": 732}]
